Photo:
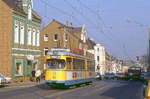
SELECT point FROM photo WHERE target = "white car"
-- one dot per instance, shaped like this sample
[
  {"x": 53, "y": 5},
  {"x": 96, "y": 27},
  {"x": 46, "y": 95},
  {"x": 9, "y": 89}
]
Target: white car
[
  {"x": 7, "y": 79},
  {"x": 2, "y": 80}
]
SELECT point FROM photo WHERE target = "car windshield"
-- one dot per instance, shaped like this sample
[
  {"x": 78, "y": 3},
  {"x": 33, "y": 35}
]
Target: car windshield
[{"x": 56, "y": 63}]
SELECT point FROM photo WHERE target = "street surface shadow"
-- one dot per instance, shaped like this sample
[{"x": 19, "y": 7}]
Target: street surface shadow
[
  {"x": 48, "y": 87},
  {"x": 43, "y": 86},
  {"x": 130, "y": 90}
]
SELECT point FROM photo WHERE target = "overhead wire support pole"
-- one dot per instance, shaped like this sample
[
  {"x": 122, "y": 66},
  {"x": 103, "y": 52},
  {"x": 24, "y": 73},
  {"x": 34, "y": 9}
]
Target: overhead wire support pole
[
  {"x": 149, "y": 49},
  {"x": 148, "y": 28}
]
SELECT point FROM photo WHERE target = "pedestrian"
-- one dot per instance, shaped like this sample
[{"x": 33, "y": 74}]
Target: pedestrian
[
  {"x": 98, "y": 67},
  {"x": 38, "y": 75},
  {"x": 33, "y": 75}
]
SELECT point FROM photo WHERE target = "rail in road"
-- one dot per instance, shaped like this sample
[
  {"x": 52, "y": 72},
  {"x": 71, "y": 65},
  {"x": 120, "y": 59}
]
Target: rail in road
[{"x": 98, "y": 90}]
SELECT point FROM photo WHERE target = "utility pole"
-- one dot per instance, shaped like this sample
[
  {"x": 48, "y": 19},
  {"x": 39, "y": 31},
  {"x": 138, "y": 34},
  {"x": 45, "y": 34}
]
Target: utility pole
[{"x": 149, "y": 49}]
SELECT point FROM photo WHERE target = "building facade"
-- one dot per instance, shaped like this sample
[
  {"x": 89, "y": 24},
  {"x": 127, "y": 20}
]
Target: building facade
[
  {"x": 19, "y": 37},
  {"x": 58, "y": 35},
  {"x": 100, "y": 62}
]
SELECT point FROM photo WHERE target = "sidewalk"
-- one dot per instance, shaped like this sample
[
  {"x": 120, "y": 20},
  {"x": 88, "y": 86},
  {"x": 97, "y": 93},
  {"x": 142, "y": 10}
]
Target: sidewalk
[{"x": 22, "y": 84}]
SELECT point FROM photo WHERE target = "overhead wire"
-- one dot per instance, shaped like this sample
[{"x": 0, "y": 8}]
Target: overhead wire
[
  {"x": 100, "y": 18},
  {"x": 61, "y": 11},
  {"x": 80, "y": 13},
  {"x": 84, "y": 17},
  {"x": 92, "y": 11}
]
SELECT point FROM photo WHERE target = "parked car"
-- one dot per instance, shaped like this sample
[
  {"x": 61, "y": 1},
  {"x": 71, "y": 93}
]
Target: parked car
[
  {"x": 7, "y": 79},
  {"x": 145, "y": 75},
  {"x": 120, "y": 75},
  {"x": 109, "y": 75},
  {"x": 2, "y": 80}
]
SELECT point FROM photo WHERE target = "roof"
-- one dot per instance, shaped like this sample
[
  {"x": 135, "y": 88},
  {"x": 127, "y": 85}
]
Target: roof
[
  {"x": 56, "y": 52},
  {"x": 70, "y": 28},
  {"x": 16, "y": 5},
  {"x": 91, "y": 43}
]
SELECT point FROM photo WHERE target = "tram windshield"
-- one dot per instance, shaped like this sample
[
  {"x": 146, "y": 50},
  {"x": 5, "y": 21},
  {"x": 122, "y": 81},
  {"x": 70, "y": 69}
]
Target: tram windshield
[{"x": 56, "y": 63}]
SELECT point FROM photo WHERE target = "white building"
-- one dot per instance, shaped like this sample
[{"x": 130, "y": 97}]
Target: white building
[{"x": 100, "y": 60}]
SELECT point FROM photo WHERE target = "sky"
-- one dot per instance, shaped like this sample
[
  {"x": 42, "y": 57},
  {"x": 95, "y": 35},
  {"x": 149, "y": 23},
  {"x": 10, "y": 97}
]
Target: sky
[{"x": 106, "y": 22}]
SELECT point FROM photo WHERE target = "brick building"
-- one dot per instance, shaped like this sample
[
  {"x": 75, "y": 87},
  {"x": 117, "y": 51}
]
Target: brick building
[
  {"x": 58, "y": 35},
  {"x": 19, "y": 37}
]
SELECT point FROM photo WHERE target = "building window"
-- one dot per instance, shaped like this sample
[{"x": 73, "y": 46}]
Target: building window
[
  {"x": 66, "y": 37},
  {"x": 65, "y": 44},
  {"x": 97, "y": 58},
  {"x": 55, "y": 37},
  {"x": 34, "y": 37},
  {"x": 29, "y": 12},
  {"x": 45, "y": 37},
  {"x": 38, "y": 38},
  {"x": 22, "y": 34},
  {"x": 19, "y": 68},
  {"x": 45, "y": 51},
  {"x": 98, "y": 49},
  {"x": 29, "y": 36},
  {"x": 16, "y": 34},
  {"x": 80, "y": 46},
  {"x": 29, "y": 62}
]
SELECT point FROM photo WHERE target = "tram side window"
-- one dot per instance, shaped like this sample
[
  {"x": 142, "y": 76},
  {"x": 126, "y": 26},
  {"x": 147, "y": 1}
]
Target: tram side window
[
  {"x": 91, "y": 65},
  {"x": 69, "y": 63},
  {"x": 56, "y": 64},
  {"x": 78, "y": 64}
]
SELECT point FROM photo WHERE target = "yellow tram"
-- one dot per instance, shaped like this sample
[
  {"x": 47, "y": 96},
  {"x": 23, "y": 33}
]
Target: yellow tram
[{"x": 66, "y": 69}]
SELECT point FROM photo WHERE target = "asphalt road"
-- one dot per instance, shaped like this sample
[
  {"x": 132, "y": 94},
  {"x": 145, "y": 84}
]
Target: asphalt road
[{"x": 98, "y": 90}]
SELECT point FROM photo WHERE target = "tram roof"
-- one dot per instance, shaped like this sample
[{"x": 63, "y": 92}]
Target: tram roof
[{"x": 66, "y": 53}]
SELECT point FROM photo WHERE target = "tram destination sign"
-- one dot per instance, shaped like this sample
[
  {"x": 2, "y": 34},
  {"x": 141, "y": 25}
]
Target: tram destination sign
[{"x": 55, "y": 56}]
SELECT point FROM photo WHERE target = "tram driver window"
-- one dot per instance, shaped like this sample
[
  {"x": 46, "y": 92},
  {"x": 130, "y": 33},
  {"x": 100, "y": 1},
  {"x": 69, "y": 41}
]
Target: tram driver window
[{"x": 68, "y": 63}]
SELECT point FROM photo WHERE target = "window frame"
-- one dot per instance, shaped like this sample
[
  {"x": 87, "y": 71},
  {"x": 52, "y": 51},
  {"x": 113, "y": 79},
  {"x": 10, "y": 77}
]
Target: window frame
[
  {"x": 29, "y": 42},
  {"x": 21, "y": 62},
  {"x": 38, "y": 38},
  {"x": 45, "y": 49},
  {"x": 33, "y": 37},
  {"x": 46, "y": 37},
  {"x": 65, "y": 37},
  {"x": 55, "y": 38},
  {"x": 16, "y": 32},
  {"x": 22, "y": 33}
]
